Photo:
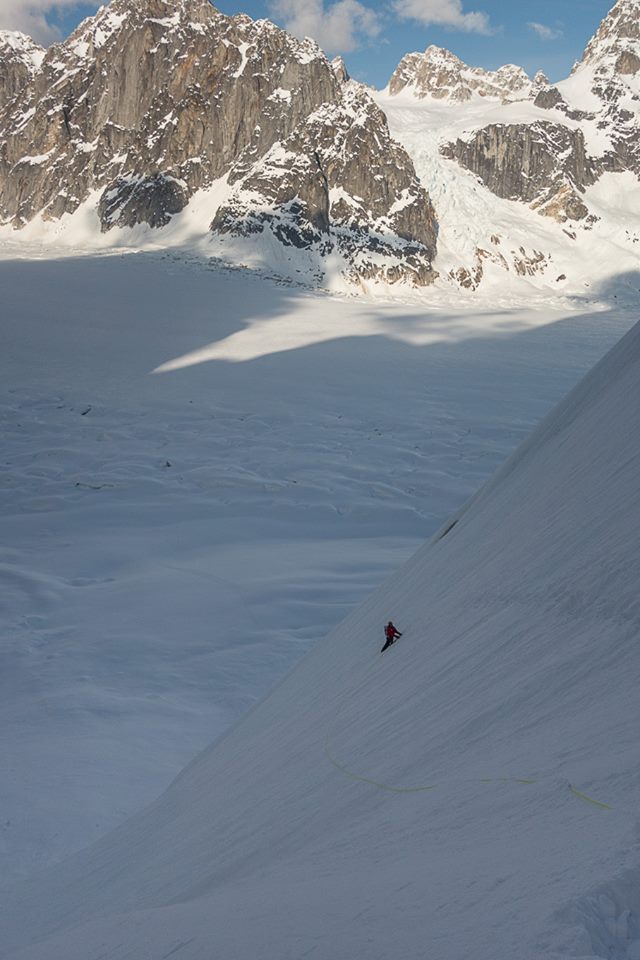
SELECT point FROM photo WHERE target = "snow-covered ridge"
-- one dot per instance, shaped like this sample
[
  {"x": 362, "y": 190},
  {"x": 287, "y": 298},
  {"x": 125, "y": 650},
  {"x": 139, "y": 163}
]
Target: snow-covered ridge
[
  {"x": 22, "y": 46},
  {"x": 615, "y": 47},
  {"x": 20, "y": 59}
]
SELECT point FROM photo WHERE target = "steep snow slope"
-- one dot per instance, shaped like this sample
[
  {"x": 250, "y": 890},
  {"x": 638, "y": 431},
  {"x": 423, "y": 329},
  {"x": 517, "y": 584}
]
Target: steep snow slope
[
  {"x": 431, "y": 802},
  {"x": 172, "y": 543}
]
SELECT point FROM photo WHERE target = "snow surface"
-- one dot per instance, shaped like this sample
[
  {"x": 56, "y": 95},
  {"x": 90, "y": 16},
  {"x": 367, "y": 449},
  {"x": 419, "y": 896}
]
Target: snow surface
[
  {"x": 203, "y": 472},
  {"x": 370, "y": 806}
]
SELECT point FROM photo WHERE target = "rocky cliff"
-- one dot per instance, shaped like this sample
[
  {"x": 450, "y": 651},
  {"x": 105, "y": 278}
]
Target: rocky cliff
[
  {"x": 610, "y": 71},
  {"x": 151, "y": 101},
  {"x": 543, "y": 164},
  {"x": 317, "y": 190}
]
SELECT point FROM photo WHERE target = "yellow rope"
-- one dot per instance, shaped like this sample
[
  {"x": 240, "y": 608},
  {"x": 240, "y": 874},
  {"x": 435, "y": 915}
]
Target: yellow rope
[
  {"x": 583, "y": 796},
  {"x": 433, "y": 786},
  {"x": 380, "y": 786}
]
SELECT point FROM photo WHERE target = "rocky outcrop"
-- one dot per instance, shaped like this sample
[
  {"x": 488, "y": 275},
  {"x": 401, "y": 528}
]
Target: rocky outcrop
[
  {"x": 20, "y": 59},
  {"x": 130, "y": 201},
  {"x": 550, "y": 98},
  {"x": 438, "y": 73},
  {"x": 339, "y": 68},
  {"x": 522, "y": 262},
  {"x": 316, "y": 191},
  {"x": 543, "y": 164},
  {"x": 152, "y": 100}
]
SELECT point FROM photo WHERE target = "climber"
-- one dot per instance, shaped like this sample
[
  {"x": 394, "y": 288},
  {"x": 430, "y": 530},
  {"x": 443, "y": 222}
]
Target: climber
[{"x": 391, "y": 635}]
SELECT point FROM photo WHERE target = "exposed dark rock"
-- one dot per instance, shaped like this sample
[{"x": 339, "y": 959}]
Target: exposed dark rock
[
  {"x": 549, "y": 98},
  {"x": 521, "y": 262},
  {"x": 544, "y": 164},
  {"x": 628, "y": 63},
  {"x": 153, "y": 200}
]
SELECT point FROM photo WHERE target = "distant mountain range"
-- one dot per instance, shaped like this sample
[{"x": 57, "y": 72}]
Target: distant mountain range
[{"x": 157, "y": 110}]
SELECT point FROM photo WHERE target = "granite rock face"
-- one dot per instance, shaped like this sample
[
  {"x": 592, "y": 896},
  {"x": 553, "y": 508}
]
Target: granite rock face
[
  {"x": 154, "y": 86},
  {"x": 316, "y": 185},
  {"x": 543, "y": 164},
  {"x": 152, "y": 100}
]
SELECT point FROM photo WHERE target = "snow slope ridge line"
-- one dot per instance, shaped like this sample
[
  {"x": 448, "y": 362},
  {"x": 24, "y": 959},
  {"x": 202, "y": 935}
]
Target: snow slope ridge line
[{"x": 423, "y": 788}]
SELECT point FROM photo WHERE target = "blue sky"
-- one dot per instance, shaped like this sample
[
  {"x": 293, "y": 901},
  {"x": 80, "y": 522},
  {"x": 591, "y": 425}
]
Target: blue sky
[{"x": 537, "y": 34}]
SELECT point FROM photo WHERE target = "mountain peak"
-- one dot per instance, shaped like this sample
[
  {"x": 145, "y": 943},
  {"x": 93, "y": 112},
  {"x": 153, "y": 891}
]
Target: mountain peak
[
  {"x": 339, "y": 68},
  {"x": 13, "y": 42},
  {"x": 615, "y": 46},
  {"x": 110, "y": 18},
  {"x": 440, "y": 74},
  {"x": 20, "y": 59}
]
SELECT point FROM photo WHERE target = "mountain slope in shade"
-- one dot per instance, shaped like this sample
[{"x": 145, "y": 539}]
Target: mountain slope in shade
[{"x": 470, "y": 793}]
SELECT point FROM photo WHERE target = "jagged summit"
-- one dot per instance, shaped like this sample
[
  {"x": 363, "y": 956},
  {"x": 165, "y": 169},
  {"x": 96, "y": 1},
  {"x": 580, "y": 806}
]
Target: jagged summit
[
  {"x": 20, "y": 58},
  {"x": 616, "y": 44},
  {"x": 22, "y": 45},
  {"x": 340, "y": 69},
  {"x": 440, "y": 74}
]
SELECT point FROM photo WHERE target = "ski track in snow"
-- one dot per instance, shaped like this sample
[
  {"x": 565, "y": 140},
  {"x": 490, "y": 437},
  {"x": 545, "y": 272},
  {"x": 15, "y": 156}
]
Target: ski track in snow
[{"x": 172, "y": 542}]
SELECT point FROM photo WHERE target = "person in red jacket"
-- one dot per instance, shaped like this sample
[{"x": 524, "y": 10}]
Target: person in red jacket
[{"x": 391, "y": 634}]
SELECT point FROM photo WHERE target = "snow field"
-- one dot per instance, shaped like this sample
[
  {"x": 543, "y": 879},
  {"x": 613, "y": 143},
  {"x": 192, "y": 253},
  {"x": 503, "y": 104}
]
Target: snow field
[
  {"x": 518, "y": 659},
  {"x": 173, "y": 542}
]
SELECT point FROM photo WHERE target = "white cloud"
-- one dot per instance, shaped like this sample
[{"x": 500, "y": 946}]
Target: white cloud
[
  {"x": 337, "y": 28},
  {"x": 30, "y": 16},
  {"x": 545, "y": 33},
  {"x": 445, "y": 13}
]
